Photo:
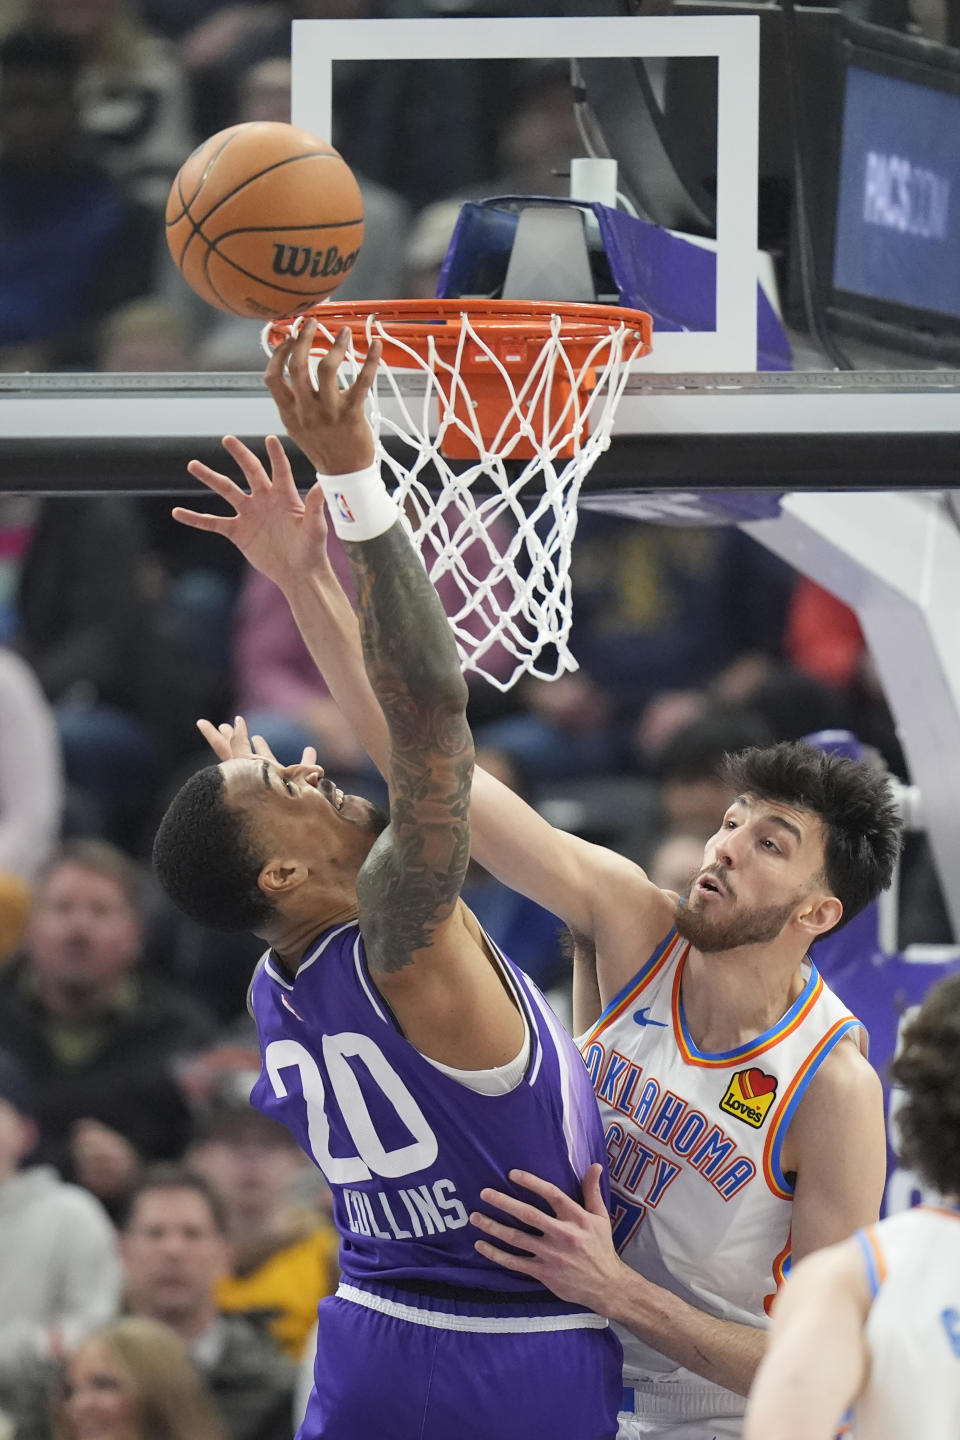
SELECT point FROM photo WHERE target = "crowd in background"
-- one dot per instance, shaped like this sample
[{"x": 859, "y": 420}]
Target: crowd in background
[{"x": 139, "y": 1194}]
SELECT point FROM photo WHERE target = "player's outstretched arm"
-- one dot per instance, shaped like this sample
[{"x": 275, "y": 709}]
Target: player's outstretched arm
[
  {"x": 596, "y": 892},
  {"x": 411, "y": 882},
  {"x": 816, "y": 1359}
]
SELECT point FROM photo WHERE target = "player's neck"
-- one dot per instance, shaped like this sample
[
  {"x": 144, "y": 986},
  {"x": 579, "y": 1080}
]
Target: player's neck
[
  {"x": 291, "y": 936},
  {"x": 732, "y": 996}
]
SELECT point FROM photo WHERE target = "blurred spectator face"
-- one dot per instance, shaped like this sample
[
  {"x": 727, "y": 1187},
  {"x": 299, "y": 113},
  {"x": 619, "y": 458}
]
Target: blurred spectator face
[
  {"x": 173, "y": 1255},
  {"x": 695, "y": 804},
  {"x": 78, "y": 18},
  {"x": 253, "y": 1167},
  {"x": 264, "y": 91},
  {"x": 676, "y": 860},
  {"x": 99, "y": 1400},
  {"x": 83, "y": 935},
  {"x": 541, "y": 136},
  {"x": 38, "y": 118},
  {"x": 18, "y": 1135}
]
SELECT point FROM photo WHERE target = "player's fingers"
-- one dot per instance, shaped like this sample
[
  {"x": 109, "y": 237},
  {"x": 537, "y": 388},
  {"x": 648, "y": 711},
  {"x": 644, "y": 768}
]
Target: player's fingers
[
  {"x": 518, "y": 1209},
  {"x": 553, "y": 1195},
  {"x": 254, "y": 473},
  {"x": 220, "y": 484},
  {"x": 260, "y": 747},
  {"x": 309, "y": 758},
  {"x": 195, "y": 520},
  {"x": 274, "y": 374},
  {"x": 281, "y": 472},
  {"x": 219, "y": 744},
  {"x": 298, "y": 364},
  {"x": 592, "y": 1193},
  {"x": 360, "y": 388},
  {"x": 525, "y": 1264},
  {"x": 509, "y": 1234},
  {"x": 314, "y": 511}
]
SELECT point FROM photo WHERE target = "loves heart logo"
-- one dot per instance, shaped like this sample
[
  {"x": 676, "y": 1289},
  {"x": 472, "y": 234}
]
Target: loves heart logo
[{"x": 749, "y": 1096}]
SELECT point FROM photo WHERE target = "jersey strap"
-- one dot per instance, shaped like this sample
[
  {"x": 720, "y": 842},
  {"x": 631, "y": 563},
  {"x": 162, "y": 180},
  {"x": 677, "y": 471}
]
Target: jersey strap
[
  {"x": 662, "y": 956},
  {"x": 873, "y": 1259},
  {"x": 772, "y": 1170}
]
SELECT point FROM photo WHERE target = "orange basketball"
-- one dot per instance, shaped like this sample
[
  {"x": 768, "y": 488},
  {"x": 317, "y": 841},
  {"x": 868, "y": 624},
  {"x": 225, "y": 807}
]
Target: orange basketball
[{"x": 264, "y": 219}]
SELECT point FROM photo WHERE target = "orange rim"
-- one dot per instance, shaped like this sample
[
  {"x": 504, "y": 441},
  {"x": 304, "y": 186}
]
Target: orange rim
[{"x": 413, "y": 321}]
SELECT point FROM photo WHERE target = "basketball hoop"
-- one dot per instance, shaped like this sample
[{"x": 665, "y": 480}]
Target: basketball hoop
[{"x": 523, "y": 394}]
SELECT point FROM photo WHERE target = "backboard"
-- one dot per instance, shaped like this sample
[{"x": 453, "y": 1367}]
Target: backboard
[{"x": 734, "y": 40}]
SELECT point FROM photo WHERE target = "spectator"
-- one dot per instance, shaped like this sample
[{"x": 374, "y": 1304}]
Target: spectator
[
  {"x": 175, "y": 1253},
  {"x": 283, "y": 1250},
  {"x": 31, "y": 780},
  {"x": 132, "y": 1380},
  {"x": 675, "y": 860},
  {"x": 52, "y": 293},
  {"x": 689, "y": 769},
  {"x": 98, "y": 1039},
  {"x": 423, "y": 130},
  {"x": 121, "y": 678},
  {"x": 59, "y": 1270},
  {"x": 133, "y": 93}
]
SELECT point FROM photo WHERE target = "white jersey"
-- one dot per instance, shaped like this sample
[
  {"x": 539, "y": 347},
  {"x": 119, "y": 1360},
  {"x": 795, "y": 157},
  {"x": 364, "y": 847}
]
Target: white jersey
[
  {"x": 700, "y": 1202},
  {"x": 913, "y": 1328}
]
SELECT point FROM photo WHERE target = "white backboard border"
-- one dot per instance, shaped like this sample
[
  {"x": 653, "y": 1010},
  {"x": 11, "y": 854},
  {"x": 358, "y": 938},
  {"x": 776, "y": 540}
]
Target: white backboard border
[{"x": 733, "y": 39}]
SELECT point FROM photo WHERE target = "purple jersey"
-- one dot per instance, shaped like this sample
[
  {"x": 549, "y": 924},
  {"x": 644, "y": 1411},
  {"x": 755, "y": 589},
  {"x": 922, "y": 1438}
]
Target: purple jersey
[{"x": 405, "y": 1148}]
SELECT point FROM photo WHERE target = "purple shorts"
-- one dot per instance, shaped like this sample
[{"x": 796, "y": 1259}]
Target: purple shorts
[{"x": 400, "y": 1366}]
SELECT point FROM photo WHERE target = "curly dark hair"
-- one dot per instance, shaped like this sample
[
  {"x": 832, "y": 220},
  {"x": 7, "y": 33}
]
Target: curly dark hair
[
  {"x": 928, "y": 1070},
  {"x": 860, "y": 817},
  {"x": 205, "y": 859}
]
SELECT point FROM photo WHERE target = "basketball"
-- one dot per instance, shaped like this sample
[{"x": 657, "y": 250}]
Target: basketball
[{"x": 264, "y": 219}]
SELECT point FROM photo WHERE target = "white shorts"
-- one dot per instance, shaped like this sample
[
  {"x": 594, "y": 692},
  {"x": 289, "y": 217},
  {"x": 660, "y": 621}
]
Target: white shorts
[
  {"x": 669, "y": 1410},
  {"x": 640, "y": 1427}
]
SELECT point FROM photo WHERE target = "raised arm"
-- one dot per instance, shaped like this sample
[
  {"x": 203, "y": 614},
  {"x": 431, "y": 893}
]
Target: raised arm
[
  {"x": 410, "y": 884},
  {"x": 596, "y": 892}
]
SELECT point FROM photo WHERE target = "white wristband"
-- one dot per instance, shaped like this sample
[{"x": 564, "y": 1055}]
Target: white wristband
[{"x": 359, "y": 504}]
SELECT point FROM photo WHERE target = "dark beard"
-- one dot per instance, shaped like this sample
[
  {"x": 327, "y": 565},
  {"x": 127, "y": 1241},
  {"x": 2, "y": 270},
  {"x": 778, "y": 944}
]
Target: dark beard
[{"x": 753, "y": 927}]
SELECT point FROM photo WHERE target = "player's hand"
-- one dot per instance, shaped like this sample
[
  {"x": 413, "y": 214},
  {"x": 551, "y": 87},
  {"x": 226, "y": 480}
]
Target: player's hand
[
  {"x": 281, "y": 534},
  {"x": 230, "y": 742},
  {"x": 328, "y": 423},
  {"x": 572, "y": 1254}
]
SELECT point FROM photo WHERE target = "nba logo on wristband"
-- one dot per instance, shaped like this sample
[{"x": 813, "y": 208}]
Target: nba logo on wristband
[{"x": 340, "y": 500}]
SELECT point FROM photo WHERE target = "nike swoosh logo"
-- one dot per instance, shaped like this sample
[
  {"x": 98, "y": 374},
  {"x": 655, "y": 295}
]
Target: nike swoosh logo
[{"x": 641, "y": 1017}]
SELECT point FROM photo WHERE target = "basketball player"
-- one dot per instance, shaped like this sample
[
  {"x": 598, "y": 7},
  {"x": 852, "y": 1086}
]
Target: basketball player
[
  {"x": 410, "y": 1059},
  {"x": 744, "y": 1126},
  {"x": 875, "y": 1322}
]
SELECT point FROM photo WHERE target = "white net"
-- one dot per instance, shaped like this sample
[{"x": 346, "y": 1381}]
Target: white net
[{"x": 489, "y": 485}]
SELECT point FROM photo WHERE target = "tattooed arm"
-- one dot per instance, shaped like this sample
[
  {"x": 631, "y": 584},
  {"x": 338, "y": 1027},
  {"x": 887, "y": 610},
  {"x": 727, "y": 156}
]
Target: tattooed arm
[
  {"x": 411, "y": 882},
  {"x": 423, "y": 946}
]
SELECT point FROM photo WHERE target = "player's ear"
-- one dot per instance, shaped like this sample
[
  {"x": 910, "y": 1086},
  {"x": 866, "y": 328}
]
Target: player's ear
[
  {"x": 818, "y": 914},
  {"x": 280, "y": 877}
]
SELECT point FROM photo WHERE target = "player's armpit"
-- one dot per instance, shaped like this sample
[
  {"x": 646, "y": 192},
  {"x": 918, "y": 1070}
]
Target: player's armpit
[{"x": 451, "y": 1000}]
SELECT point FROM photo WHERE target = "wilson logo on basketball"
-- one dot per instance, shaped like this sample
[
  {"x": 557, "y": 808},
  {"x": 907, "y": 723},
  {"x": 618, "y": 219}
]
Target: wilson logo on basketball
[
  {"x": 300, "y": 260},
  {"x": 749, "y": 1096}
]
